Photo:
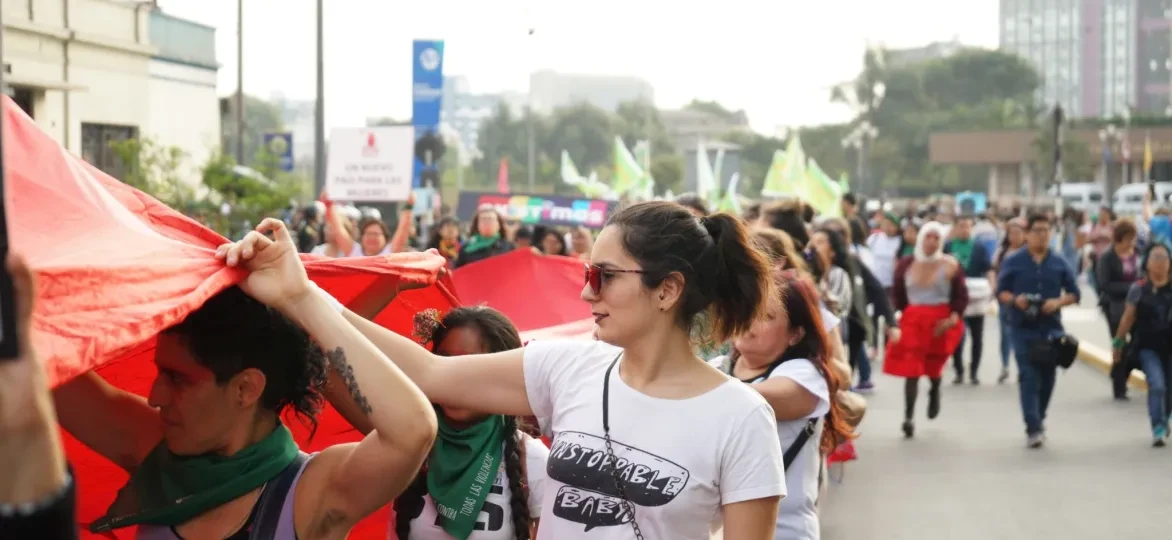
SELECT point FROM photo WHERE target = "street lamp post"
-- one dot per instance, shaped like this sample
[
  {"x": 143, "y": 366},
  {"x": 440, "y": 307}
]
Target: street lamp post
[
  {"x": 240, "y": 82},
  {"x": 319, "y": 113},
  {"x": 1108, "y": 136}
]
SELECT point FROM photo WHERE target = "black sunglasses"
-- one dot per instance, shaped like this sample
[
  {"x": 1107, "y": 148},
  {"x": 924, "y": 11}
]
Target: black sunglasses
[{"x": 594, "y": 275}]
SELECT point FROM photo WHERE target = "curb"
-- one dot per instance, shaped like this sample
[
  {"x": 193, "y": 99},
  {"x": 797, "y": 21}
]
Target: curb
[{"x": 1100, "y": 360}]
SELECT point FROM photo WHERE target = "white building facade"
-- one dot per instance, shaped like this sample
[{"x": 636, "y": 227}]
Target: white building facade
[
  {"x": 88, "y": 74},
  {"x": 184, "y": 109}
]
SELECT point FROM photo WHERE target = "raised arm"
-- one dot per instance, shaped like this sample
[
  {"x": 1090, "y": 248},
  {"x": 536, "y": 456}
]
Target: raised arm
[
  {"x": 353, "y": 480},
  {"x": 116, "y": 424}
]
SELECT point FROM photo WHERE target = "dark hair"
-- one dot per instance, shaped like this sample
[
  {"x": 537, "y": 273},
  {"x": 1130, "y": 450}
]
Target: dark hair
[
  {"x": 693, "y": 201},
  {"x": 497, "y": 334},
  {"x": 433, "y": 242},
  {"x": 786, "y": 216},
  {"x": 858, "y": 230},
  {"x": 808, "y": 212},
  {"x": 903, "y": 243},
  {"x": 233, "y": 332},
  {"x": 474, "y": 225},
  {"x": 1036, "y": 217},
  {"x": 1123, "y": 228},
  {"x": 751, "y": 212},
  {"x": 840, "y": 253},
  {"x": 850, "y": 198},
  {"x": 800, "y": 301},
  {"x": 524, "y": 232},
  {"x": 561, "y": 238},
  {"x": 965, "y": 217},
  {"x": 723, "y": 274}
]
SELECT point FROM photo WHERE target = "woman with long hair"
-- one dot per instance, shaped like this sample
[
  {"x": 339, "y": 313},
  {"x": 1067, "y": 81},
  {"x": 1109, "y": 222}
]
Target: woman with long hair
[
  {"x": 445, "y": 238},
  {"x": 786, "y": 356},
  {"x": 1148, "y": 319},
  {"x": 613, "y": 406},
  {"x": 506, "y": 504},
  {"x": 830, "y": 247},
  {"x": 1013, "y": 240},
  {"x": 930, "y": 290}
]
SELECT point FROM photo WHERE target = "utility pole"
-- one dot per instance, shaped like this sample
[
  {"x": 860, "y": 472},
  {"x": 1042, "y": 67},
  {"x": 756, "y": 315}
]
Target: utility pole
[
  {"x": 240, "y": 82},
  {"x": 319, "y": 120}
]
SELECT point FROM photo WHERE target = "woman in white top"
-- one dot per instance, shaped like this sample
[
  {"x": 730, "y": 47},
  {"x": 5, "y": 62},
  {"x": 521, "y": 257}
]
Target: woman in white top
[
  {"x": 649, "y": 441},
  {"x": 373, "y": 236},
  {"x": 510, "y": 500},
  {"x": 785, "y": 356},
  {"x": 885, "y": 249}
]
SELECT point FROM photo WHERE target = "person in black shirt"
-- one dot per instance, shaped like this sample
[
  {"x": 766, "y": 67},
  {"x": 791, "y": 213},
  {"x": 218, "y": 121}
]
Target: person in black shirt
[{"x": 1147, "y": 316}]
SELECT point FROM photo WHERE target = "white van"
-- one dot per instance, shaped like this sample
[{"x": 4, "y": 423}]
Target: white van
[
  {"x": 1084, "y": 196},
  {"x": 1129, "y": 198}
]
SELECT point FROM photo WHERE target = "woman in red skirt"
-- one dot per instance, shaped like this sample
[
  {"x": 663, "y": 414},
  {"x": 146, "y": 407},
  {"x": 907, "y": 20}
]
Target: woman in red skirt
[{"x": 929, "y": 289}]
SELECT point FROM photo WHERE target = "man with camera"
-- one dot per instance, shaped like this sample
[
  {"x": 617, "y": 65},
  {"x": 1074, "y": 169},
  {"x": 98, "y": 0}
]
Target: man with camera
[{"x": 1035, "y": 284}]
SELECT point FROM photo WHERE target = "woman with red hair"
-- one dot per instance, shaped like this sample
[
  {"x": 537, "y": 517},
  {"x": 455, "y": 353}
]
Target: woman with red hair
[{"x": 786, "y": 357}]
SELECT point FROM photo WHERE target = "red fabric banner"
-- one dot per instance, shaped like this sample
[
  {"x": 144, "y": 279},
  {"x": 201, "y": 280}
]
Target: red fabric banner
[
  {"x": 541, "y": 294},
  {"x": 115, "y": 267}
]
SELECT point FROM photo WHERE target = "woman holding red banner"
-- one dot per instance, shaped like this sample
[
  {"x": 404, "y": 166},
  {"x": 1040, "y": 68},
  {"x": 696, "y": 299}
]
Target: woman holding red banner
[
  {"x": 208, "y": 454},
  {"x": 621, "y": 464}
]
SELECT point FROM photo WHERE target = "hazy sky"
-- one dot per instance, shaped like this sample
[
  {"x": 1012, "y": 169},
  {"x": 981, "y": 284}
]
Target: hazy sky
[{"x": 777, "y": 59}]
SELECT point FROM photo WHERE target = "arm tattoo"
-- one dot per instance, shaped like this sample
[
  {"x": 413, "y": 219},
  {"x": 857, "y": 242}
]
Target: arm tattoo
[{"x": 337, "y": 358}]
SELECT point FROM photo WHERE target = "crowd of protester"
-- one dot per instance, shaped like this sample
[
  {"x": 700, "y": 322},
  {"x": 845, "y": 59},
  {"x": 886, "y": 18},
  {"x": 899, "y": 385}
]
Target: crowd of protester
[{"x": 760, "y": 329}]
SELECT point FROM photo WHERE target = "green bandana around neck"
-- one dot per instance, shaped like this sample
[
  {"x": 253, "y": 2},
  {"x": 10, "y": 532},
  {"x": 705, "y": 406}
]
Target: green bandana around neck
[
  {"x": 477, "y": 243},
  {"x": 963, "y": 251},
  {"x": 461, "y": 469},
  {"x": 169, "y": 490}
]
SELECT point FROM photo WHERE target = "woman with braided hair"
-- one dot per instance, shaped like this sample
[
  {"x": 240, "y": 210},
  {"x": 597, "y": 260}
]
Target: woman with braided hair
[{"x": 433, "y": 507}]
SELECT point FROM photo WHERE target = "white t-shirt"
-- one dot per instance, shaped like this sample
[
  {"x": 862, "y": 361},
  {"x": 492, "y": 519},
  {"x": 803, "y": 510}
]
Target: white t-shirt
[
  {"x": 681, "y": 460},
  {"x": 884, "y": 252},
  {"x": 797, "y": 517},
  {"x": 496, "y": 520}
]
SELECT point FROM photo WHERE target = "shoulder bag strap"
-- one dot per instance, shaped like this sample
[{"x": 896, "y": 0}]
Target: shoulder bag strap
[
  {"x": 791, "y": 453},
  {"x": 272, "y": 500}
]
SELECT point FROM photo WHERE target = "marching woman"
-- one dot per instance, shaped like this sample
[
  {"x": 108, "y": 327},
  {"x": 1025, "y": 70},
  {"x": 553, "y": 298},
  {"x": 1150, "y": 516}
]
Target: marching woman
[
  {"x": 929, "y": 289},
  {"x": 786, "y": 357},
  {"x": 621, "y": 465},
  {"x": 509, "y": 502}
]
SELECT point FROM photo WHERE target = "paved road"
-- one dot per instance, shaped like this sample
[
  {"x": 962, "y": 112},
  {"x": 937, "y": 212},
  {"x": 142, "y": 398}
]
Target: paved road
[{"x": 968, "y": 475}]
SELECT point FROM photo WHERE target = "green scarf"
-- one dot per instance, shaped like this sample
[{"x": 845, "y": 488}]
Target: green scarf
[
  {"x": 477, "y": 243},
  {"x": 461, "y": 470},
  {"x": 169, "y": 490},
  {"x": 963, "y": 251}
]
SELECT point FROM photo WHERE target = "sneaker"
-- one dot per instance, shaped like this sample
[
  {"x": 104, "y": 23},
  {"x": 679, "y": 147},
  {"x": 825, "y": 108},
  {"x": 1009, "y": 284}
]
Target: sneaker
[
  {"x": 1004, "y": 376},
  {"x": 1036, "y": 440},
  {"x": 909, "y": 429},
  {"x": 974, "y": 380},
  {"x": 865, "y": 387},
  {"x": 1160, "y": 436},
  {"x": 958, "y": 380}
]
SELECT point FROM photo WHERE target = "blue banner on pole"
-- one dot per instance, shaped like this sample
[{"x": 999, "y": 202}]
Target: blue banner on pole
[
  {"x": 427, "y": 93},
  {"x": 280, "y": 146}
]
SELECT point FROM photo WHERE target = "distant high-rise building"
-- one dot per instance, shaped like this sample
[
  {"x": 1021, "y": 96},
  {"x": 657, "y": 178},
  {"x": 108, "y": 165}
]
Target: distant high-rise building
[
  {"x": 549, "y": 90},
  {"x": 463, "y": 111},
  {"x": 1095, "y": 57}
]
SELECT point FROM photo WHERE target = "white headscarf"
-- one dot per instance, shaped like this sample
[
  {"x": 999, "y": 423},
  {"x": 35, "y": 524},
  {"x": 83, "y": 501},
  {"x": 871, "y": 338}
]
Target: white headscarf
[{"x": 930, "y": 227}]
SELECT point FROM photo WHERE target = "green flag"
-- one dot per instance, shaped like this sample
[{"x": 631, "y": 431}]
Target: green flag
[
  {"x": 627, "y": 172},
  {"x": 822, "y": 192}
]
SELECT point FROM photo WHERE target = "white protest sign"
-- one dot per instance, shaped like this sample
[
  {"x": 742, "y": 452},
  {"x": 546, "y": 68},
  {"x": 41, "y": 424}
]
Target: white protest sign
[{"x": 371, "y": 164}]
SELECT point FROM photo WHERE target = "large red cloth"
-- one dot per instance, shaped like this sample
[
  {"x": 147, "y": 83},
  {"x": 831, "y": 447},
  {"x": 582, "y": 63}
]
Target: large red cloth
[
  {"x": 919, "y": 351},
  {"x": 115, "y": 267},
  {"x": 541, "y": 294}
]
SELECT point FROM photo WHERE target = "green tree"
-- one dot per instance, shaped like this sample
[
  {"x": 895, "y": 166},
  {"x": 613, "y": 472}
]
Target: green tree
[
  {"x": 157, "y": 170},
  {"x": 260, "y": 117},
  {"x": 639, "y": 120},
  {"x": 668, "y": 171},
  {"x": 585, "y": 131}
]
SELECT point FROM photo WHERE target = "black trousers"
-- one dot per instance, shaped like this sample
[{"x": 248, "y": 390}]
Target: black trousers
[
  {"x": 976, "y": 326},
  {"x": 1122, "y": 371}
]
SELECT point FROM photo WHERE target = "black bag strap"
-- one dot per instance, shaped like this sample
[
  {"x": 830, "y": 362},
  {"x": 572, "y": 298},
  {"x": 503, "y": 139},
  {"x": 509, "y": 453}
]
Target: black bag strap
[
  {"x": 795, "y": 448},
  {"x": 272, "y": 500}
]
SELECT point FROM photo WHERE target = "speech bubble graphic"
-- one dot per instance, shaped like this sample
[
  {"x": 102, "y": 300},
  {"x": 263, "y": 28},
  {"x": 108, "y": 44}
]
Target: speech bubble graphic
[
  {"x": 579, "y": 460},
  {"x": 590, "y": 508}
]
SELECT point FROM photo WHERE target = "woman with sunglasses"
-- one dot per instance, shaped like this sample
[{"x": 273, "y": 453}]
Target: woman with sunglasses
[{"x": 622, "y": 466}]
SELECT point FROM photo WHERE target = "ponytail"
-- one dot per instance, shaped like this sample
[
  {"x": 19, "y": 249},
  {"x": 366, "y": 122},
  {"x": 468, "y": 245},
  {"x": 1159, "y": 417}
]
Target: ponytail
[{"x": 741, "y": 283}]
